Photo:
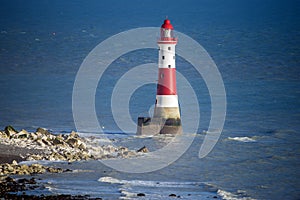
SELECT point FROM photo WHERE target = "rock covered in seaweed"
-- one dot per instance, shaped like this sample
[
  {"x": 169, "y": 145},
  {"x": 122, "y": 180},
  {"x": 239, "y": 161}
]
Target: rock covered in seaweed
[{"x": 15, "y": 168}]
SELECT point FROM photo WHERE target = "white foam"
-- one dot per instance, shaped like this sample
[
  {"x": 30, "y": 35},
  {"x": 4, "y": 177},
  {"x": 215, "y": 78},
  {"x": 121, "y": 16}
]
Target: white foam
[
  {"x": 242, "y": 139},
  {"x": 128, "y": 194},
  {"x": 144, "y": 183},
  {"x": 143, "y": 136},
  {"x": 108, "y": 179},
  {"x": 230, "y": 196}
]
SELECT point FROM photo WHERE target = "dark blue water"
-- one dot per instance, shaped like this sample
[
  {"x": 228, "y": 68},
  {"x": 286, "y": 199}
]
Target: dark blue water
[{"x": 255, "y": 44}]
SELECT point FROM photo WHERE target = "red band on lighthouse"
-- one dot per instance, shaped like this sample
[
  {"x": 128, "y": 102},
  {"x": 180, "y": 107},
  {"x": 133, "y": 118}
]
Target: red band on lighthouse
[{"x": 166, "y": 81}]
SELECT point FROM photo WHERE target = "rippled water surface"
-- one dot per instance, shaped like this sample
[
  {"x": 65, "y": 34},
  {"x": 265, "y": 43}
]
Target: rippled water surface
[{"x": 255, "y": 45}]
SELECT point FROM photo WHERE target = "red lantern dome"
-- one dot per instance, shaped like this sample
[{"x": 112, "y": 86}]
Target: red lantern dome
[{"x": 167, "y": 24}]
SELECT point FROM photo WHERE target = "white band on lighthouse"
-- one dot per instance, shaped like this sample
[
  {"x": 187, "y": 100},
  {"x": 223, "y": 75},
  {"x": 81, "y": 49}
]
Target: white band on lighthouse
[
  {"x": 166, "y": 55},
  {"x": 166, "y": 101}
]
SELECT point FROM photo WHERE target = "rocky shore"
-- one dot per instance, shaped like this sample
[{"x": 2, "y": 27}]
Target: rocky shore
[
  {"x": 11, "y": 188},
  {"x": 15, "y": 168},
  {"x": 66, "y": 147},
  {"x": 22, "y": 145}
]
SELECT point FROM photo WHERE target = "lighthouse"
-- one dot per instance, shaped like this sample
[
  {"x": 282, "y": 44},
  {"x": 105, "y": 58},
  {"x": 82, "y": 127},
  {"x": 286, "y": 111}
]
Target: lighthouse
[{"x": 166, "y": 117}]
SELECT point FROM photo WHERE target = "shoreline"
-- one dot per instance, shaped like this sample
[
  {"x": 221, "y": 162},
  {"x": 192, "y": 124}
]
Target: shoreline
[
  {"x": 17, "y": 146},
  {"x": 44, "y": 145},
  {"x": 9, "y": 153}
]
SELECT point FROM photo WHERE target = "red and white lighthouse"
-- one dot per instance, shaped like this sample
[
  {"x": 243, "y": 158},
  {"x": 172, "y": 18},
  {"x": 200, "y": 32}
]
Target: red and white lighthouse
[
  {"x": 166, "y": 117},
  {"x": 166, "y": 106}
]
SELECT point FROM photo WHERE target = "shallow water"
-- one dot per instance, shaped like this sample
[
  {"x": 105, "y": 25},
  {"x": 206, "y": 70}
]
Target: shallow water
[{"x": 235, "y": 170}]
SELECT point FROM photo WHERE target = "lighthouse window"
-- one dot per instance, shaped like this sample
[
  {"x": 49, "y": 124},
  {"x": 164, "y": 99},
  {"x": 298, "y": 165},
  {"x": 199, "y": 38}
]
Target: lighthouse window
[
  {"x": 169, "y": 66},
  {"x": 163, "y": 57},
  {"x": 169, "y": 48},
  {"x": 161, "y": 75},
  {"x": 174, "y": 57}
]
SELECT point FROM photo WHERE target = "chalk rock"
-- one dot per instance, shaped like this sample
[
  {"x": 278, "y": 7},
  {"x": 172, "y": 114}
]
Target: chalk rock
[
  {"x": 82, "y": 146},
  {"x": 56, "y": 156},
  {"x": 35, "y": 157},
  {"x": 73, "y": 134},
  {"x": 33, "y": 136},
  {"x": 60, "y": 147},
  {"x": 9, "y": 130},
  {"x": 58, "y": 140},
  {"x": 46, "y": 140},
  {"x": 43, "y": 131},
  {"x": 3, "y": 134},
  {"x": 14, "y": 162},
  {"x": 40, "y": 142},
  {"x": 72, "y": 142},
  {"x": 23, "y": 134},
  {"x": 10, "y": 168},
  {"x": 55, "y": 170},
  {"x": 37, "y": 169}
]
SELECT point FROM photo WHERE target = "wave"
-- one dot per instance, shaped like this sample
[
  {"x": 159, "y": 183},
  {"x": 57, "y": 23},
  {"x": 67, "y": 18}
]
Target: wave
[
  {"x": 131, "y": 189},
  {"x": 162, "y": 189},
  {"x": 144, "y": 183},
  {"x": 242, "y": 139},
  {"x": 230, "y": 196}
]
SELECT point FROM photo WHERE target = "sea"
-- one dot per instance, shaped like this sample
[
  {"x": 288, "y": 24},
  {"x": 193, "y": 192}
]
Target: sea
[{"x": 255, "y": 45}]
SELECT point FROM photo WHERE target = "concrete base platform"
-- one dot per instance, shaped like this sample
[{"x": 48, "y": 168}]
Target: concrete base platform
[{"x": 149, "y": 126}]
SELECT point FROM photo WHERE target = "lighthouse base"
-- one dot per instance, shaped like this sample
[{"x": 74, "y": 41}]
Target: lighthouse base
[{"x": 153, "y": 126}]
